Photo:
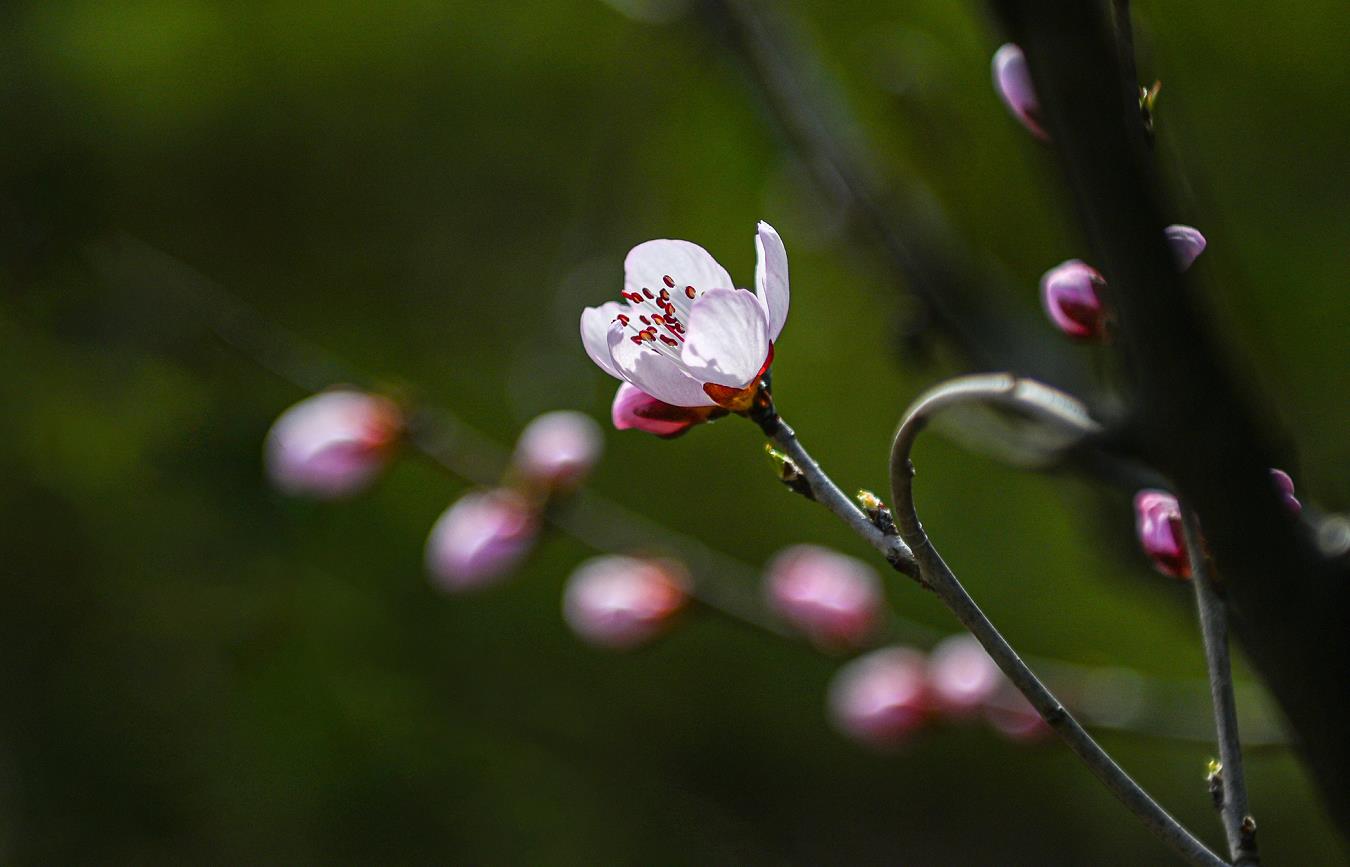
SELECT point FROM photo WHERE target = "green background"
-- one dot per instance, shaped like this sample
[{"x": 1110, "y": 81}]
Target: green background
[{"x": 196, "y": 670}]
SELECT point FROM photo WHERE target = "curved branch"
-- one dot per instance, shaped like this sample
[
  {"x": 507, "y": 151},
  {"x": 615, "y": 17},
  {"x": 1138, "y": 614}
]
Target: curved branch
[{"x": 1051, "y": 406}]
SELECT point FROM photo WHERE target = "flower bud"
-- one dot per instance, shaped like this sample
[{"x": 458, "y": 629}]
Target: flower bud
[
  {"x": 479, "y": 539},
  {"x": 880, "y": 699},
  {"x": 1158, "y": 523},
  {"x": 634, "y": 408},
  {"x": 1012, "y": 80},
  {"x": 835, "y": 600},
  {"x": 1071, "y": 292},
  {"x": 1010, "y": 714},
  {"x": 621, "y": 602},
  {"x": 332, "y": 444},
  {"x": 961, "y": 676},
  {"x": 1187, "y": 244},
  {"x": 1285, "y": 485},
  {"x": 557, "y": 450}
]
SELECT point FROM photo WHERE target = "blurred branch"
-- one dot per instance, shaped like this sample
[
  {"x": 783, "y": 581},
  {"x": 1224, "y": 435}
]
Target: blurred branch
[
  {"x": 1163, "y": 708},
  {"x": 1193, "y": 417},
  {"x": 1008, "y": 390},
  {"x": 1214, "y": 629}
]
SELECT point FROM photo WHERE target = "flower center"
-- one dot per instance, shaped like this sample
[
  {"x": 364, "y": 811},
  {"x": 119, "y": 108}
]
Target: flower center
[{"x": 657, "y": 319}]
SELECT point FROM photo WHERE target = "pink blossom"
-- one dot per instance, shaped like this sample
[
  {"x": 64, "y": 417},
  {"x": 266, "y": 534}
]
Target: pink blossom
[
  {"x": 881, "y": 698},
  {"x": 687, "y": 336},
  {"x": 634, "y": 408},
  {"x": 479, "y": 539},
  {"x": 1071, "y": 292},
  {"x": 834, "y": 599},
  {"x": 961, "y": 675},
  {"x": 1158, "y": 524},
  {"x": 621, "y": 602},
  {"x": 1012, "y": 80},
  {"x": 1186, "y": 242},
  {"x": 1285, "y": 485},
  {"x": 332, "y": 444},
  {"x": 558, "y": 449}
]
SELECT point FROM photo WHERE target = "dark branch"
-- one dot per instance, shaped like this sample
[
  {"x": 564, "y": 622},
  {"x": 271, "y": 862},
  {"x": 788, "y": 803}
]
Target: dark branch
[{"x": 1193, "y": 418}]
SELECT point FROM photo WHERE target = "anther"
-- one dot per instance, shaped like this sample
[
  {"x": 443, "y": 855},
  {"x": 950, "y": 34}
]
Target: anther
[{"x": 668, "y": 281}]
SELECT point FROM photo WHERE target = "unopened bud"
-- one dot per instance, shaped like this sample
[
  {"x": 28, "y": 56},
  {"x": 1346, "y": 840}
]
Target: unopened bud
[
  {"x": 557, "y": 450},
  {"x": 479, "y": 539},
  {"x": 332, "y": 444},
  {"x": 880, "y": 699},
  {"x": 621, "y": 602},
  {"x": 1012, "y": 80},
  {"x": 961, "y": 675},
  {"x": 835, "y": 600},
  {"x": 1071, "y": 293},
  {"x": 1285, "y": 485},
  {"x": 1158, "y": 525},
  {"x": 1187, "y": 244}
]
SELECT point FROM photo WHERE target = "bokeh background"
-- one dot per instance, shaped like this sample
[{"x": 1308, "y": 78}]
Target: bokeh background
[{"x": 196, "y": 670}]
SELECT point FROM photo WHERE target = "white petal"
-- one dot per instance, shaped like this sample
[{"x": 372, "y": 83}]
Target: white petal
[
  {"x": 771, "y": 277},
  {"x": 595, "y": 322},
  {"x": 648, "y": 265},
  {"x": 727, "y": 338},
  {"x": 654, "y": 373}
]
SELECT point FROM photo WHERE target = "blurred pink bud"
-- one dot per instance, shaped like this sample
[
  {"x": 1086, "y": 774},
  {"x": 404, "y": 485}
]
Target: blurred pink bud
[
  {"x": 621, "y": 602},
  {"x": 1071, "y": 292},
  {"x": 881, "y": 698},
  {"x": 634, "y": 408},
  {"x": 1285, "y": 485},
  {"x": 1186, "y": 242},
  {"x": 834, "y": 599},
  {"x": 479, "y": 539},
  {"x": 1158, "y": 523},
  {"x": 961, "y": 675},
  {"x": 1012, "y": 80},
  {"x": 558, "y": 449},
  {"x": 1010, "y": 714},
  {"x": 332, "y": 444}
]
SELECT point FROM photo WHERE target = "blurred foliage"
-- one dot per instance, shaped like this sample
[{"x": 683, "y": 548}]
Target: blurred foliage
[{"x": 197, "y": 671}]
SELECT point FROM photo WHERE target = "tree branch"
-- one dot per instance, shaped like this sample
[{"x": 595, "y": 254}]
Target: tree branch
[
  {"x": 1193, "y": 418},
  {"x": 1214, "y": 628}
]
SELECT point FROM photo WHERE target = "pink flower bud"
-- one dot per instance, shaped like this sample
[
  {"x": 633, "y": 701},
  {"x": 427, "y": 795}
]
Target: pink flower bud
[
  {"x": 881, "y": 698},
  {"x": 558, "y": 449},
  {"x": 332, "y": 444},
  {"x": 1012, "y": 80},
  {"x": 1285, "y": 485},
  {"x": 634, "y": 408},
  {"x": 1187, "y": 244},
  {"x": 961, "y": 675},
  {"x": 621, "y": 602},
  {"x": 1071, "y": 292},
  {"x": 834, "y": 599},
  {"x": 479, "y": 539},
  {"x": 1158, "y": 523},
  {"x": 1010, "y": 714}
]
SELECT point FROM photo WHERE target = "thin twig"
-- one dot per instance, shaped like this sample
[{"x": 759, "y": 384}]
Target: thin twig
[
  {"x": 1004, "y": 389},
  {"x": 1238, "y": 825}
]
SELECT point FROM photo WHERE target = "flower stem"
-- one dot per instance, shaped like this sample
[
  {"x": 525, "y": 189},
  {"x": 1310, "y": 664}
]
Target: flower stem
[{"x": 1238, "y": 825}]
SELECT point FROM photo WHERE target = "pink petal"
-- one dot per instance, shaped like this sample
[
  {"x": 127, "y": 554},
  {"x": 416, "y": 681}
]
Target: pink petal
[
  {"x": 1012, "y": 80},
  {"x": 634, "y": 409},
  {"x": 654, "y": 373},
  {"x": 1186, "y": 242},
  {"x": 673, "y": 265},
  {"x": 727, "y": 339},
  {"x": 771, "y": 277},
  {"x": 595, "y": 322}
]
